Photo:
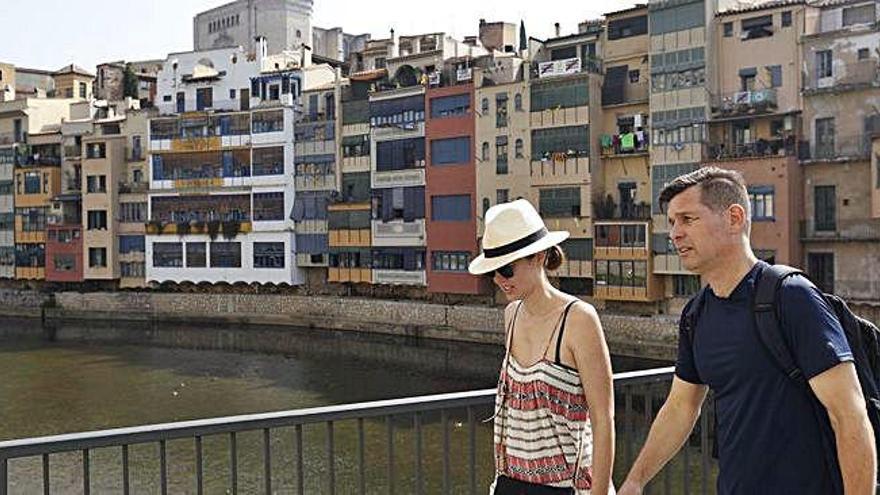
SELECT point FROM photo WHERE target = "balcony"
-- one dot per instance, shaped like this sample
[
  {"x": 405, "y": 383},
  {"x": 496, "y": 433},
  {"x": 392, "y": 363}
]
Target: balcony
[
  {"x": 837, "y": 148},
  {"x": 566, "y": 67},
  {"x": 859, "y": 230},
  {"x": 399, "y": 277},
  {"x": 744, "y": 103},
  {"x": 37, "y": 160},
  {"x": 632, "y": 94},
  {"x": 8, "y": 138},
  {"x": 352, "y": 275},
  {"x": 842, "y": 77},
  {"x": 608, "y": 209},
  {"x": 762, "y": 148},
  {"x": 398, "y": 233},
  {"x": 214, "y": 228},
  {"x": 73, "y": 151},
  {"x": 133, "y": 187},
  {"x": 624, "y": 144},
  {"x": 412, "y": 177}
]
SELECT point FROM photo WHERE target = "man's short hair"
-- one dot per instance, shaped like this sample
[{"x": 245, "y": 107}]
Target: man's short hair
[{"x": 719, "y": 189}]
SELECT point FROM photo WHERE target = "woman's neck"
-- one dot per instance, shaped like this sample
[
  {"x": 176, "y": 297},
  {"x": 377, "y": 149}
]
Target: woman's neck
[{"x": 541, "y": 300}]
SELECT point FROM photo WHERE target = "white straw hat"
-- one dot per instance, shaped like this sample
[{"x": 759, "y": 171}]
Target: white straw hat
[{"x": 513, "y": 230}]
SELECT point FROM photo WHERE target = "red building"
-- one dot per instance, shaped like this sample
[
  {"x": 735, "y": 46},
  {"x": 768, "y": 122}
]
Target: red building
[
  {"x": 64, "y": 244},
  {"x": 450, "y": 189}
]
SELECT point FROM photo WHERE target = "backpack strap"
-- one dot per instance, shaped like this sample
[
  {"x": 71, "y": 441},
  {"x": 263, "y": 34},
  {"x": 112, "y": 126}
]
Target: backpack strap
[
  {"x": 691, "y": 313},
  {"x": 765, "y": 306}
]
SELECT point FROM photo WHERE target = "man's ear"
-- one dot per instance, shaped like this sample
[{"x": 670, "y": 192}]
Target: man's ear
[{"x": 737, "y": 217}]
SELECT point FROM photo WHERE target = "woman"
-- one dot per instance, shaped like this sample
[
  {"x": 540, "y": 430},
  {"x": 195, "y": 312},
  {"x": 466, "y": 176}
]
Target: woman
[{"x": 554, "y": 414}]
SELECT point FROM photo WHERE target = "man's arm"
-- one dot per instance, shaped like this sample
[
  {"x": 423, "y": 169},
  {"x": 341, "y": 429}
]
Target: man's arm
[
  {"x": 668, "y": 433},
  {"x": 838, "y": 390}
]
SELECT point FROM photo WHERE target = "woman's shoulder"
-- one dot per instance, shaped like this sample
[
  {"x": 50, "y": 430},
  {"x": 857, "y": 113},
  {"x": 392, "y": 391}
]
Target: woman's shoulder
[{"x": 583, "y": 314}]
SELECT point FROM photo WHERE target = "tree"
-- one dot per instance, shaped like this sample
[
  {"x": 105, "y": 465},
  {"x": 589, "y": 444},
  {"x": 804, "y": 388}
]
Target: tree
[{"x": 129, "y": 82}]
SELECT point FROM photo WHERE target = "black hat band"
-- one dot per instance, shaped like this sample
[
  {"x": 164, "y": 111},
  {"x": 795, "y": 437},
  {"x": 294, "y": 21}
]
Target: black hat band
[{"x": 515, "y": 245}]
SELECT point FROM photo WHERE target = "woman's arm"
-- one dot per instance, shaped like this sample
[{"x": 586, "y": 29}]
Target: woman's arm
[{"x": 586, "y": 341}]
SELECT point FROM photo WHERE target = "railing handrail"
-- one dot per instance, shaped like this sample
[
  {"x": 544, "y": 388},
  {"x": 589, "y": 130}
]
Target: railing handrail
[{"x": 27, "y": 447}]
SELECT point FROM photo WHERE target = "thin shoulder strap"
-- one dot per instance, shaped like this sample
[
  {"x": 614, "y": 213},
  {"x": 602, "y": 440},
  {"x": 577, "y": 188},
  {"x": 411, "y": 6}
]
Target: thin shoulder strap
[
  {"x": 512, "y": 327},
  {"x": 765, "y": 306},
  {"x": 562, "y": 329}
]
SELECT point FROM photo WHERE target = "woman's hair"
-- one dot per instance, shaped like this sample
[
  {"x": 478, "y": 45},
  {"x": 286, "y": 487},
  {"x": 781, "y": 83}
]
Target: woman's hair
[{"x": 553, "y": 258}]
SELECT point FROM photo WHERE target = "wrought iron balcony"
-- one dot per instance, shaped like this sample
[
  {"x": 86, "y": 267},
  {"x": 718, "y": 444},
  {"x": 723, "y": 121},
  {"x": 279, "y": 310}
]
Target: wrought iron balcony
[
  {"x": 745, "y": 102},
  {"x": 761, "y": 148},
  {"x": 834, "y": 148}
]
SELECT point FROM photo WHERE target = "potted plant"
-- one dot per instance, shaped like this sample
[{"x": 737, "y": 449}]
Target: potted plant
[
  {"x": 231, "y": 228},
  {"x": 183, "y": 228},
  {"x": 213, "y": 227}
]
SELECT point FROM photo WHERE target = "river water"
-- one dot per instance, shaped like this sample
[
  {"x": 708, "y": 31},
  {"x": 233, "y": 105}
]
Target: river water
[{"x": 98, "y": 376}]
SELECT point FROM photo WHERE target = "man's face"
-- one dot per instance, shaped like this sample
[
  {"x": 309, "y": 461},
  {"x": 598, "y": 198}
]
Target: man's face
[{"x": 697, "y": 232}]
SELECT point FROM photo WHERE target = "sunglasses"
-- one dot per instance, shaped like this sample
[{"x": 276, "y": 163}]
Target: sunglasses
[{"x": 505, "y": 271}]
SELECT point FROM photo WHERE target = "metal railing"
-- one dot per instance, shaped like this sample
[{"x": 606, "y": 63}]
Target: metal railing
[
  {"x": 759, "y": 148},
  {"x": 360, "y": 442},
  {"x": 867, "y": 229},
  {"x": 739, "y": 102},
  {"x": 842, "y": 77},
  {"x": 849, "y": 147}
]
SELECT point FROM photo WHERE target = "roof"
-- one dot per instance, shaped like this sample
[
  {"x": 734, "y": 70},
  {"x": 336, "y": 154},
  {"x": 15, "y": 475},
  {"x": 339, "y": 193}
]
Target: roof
[
  {"x": 638, "y": 6},
  {"x": 368, "y": 75},
  {"x": 766, "y": 5},
  {"x": 73, "y": 68}
]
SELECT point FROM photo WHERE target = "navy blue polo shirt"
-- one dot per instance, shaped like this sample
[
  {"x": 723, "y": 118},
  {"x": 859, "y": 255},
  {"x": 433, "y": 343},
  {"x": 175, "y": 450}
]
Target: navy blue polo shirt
[{"x": 769, "y": 439}]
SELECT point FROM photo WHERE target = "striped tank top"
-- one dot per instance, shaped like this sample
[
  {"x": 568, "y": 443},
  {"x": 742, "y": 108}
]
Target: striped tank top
[{"x": 542, "y": 425}]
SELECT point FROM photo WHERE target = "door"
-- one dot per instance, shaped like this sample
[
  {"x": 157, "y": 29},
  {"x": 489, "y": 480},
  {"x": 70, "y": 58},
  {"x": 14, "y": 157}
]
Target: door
[
  {"x": 821, "y": 270},
  {"x": 245, "y": 96}
]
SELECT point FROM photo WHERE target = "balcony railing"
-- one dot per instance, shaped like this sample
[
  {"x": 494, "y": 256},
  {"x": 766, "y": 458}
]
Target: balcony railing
[
  {"x": 840, "y": 230},
  {"x": 624, "y": 144},
  {"x": 837, "y": 148},
  {"x": 133, "y": 187},
  {"x": 745, "y": 102},
  {"x": 842, "y": 77},
  {"x": 761, "y": 148},
  {"x": 566, "y": 67},
  {"x": 604, "y": 210},
  {"x": 72, "y": 151},
  {"x": 428, "y": 444},
  {"x": 7, "y": 138}
]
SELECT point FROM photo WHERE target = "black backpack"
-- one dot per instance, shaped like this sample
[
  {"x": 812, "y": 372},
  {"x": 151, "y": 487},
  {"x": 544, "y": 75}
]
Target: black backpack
[{"x": 862, "y": 335}]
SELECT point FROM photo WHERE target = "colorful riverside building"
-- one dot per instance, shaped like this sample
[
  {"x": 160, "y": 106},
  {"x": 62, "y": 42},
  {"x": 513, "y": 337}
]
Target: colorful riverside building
[{"x": 222, "y": 167}]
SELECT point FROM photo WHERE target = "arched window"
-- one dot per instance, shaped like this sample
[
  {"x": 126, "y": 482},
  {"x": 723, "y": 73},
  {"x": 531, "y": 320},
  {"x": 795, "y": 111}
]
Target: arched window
[
  {"x": 518, "y": 147},
  {"x": 517, "y": 102},
  {"x": 299, "y": 33},
  {"x": 485, "y": 154},
  {"x": 486, "y": 206},
  {"x": 485, "y": 105}
]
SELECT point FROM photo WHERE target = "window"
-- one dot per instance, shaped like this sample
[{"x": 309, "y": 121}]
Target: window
[
  {"x": 225, "y": 255},
  {"x": 517, "y": 102},
  {"x": 825, "y": 137},
  {"x": 501, "y": 110},
  {"x": 450, "y": 106},
  {"x": 634, "y": 76},
  {"x": 661, "y": 175},
  {"x": 68, "y": 93},
  {"x": 32, "y": 181},
  {"x": 617, "y": 236},
  {"x": 786, "y": 18},
  {"x": 83, "y": 89},
  {"x": 685, "y": 285},
  {"x": 136, "y": 150},
  {"x": 558, "y": 94},
  {"x": 379, "y": 63},
  {"x": 621, "y": 273},
  {"x": 453, "y": 208},
  {"x": 268, "y": 255},
  {"x": 196, "y": 255},
  {"x": 775, "y": 75},
  {"x": 677, "y": 18},
  {"x": 64, "y": 263},
  {"x": 757, "y": 27},
  {"x": 501, "y": 155},
  {"x": 32, "y": 219},
  {"x": 864, "y": 53},
  {"x": 167, "y": 254},
  {"x": 133, "y": 212},
  {"x": 502, "y": 196},
  {"x": 274, "y": 92},
  {"x": 576, "y": 285},
  {"x": 446, "y": 261},
  {"x": 572, "y": 140},
  {"x": 134, "y": 269},
  {"x": 518, "y": 148},
  {"x": 268, "y": 122},
  {"x": 821, "y": 269},
  {"x": 204, "y": 98},
  {"x": 131, "y": 244},
  {"x": 451, "y": 151},
  {"x": 578, "y": 249},
  {"x": 484, "y": 155},
  {"x": 96, "y": 183},
  {"x": 823, "y": 64},
  {"x": 762, "y": 199},
  {"x": 625, "y": 28},
  {"x": 269, "y": 206},
  {"x": 485, "y": 106},
  {"x": 268, "y": 161},
  {"x": 96, "y": 150},
  {"x": 562, "y": 202},
  {"x": 824, "y": 208},
  {"x": 400, "y": 154},
  {"x": 97, "y": 257},
  {"x": 97, "y": 220},
  {"x": 232, "y": 94},
  {"x": 861, "y": 14}
]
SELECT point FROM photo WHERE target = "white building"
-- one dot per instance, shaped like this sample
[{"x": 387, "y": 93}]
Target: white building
[{"x": 221, "y": 175}]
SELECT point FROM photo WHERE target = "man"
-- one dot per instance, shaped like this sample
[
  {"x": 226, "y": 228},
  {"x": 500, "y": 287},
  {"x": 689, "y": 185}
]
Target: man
[{"x": 769, "y": 438}]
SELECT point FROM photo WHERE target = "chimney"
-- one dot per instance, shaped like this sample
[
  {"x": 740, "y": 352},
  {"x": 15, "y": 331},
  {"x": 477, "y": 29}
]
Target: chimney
[
  {"x": 262, "y": 49},
  {"x": 306, "y": 59},
  {"x": 556, "y": 27},
  {"x": 393, "y": 52}
]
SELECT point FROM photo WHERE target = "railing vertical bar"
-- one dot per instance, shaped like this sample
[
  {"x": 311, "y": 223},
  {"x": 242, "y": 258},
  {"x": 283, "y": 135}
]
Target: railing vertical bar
[
  {"x": 331, "y": 460},
  {"x": 4, "y": 474},
  {"x": 417, "y": 430},
  {"x": 389, "y": 426},
  {"x": 163, "y": 467},
  {"x": 46, "y": 489},
  {"x": 87, "y": 484},
  {"x": 300, "y": 481},
  {"x": 126, "y": 473},
  {"x": 267, "y": 461},
  {"x": 362, "y": 474},
  {"x": 444, "y": 424},
  {"x": 472, "y": 436},
  {"x": 200, "y": 481},
  {"x": 648, "y": 411},
  {"x": 233, "y": 462},
  {"x": 704, "y": 448}
]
